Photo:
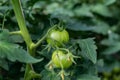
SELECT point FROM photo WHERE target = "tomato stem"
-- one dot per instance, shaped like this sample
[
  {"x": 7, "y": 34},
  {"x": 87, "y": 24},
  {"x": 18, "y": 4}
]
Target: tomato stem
[
  {"x": 44, "y": 37},
  {"x": 61, "y": 73},
  {"x": 21, "y": 21},
  {"x": 24, "y": 32},
  {"x": 64, "y": 49},
  {"x": 15, "y": 33},
  {"x": 4, "y": 20}
]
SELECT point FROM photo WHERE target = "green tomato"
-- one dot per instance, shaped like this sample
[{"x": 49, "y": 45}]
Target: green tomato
[
  {"x": 58, "y": 37},
  {"x": 116, "y": 69},
  {"x": 107, "y": 74},
  {"x": 61, "y": 60},
  {"x": 105, "y": 78}
]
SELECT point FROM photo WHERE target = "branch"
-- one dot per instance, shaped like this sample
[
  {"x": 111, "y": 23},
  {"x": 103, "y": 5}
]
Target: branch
[
  {"x": 44, "y": 37},
  {"x": 15, "y": 33}
]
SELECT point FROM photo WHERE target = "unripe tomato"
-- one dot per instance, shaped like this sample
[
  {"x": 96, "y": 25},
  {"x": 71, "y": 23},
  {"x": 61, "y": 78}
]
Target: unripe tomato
[
  {"x": 107, "y": 74},
  {"x": 116, "y": 69},
  {"x": 58, "y": 37},
  {"x": 105, "y": 78},
  {"x": 60, "y": 58}
]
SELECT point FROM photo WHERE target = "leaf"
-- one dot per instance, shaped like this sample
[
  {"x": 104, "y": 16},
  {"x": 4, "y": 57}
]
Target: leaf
[
  {"x": 100, "y": 62},
  {"x": 88, "y": 77},
  {"x": 101, "y": 10},
  {"x": 101, "y": 27},
  {"x": 109, "y": 42},
  {"x": 113, "y": 39},
  {"x": 109, "y": 2},
  {"x": 84, "y": 10},
  {"x": 56, "y": 9},
  {"x": 4, "y": 8},
  {"x": 16, "y": 38},
  {"x": 112, "y": 49},
  {"x": 48, "y": 75},
  {"x": 13, "y": 52},
  {"x": 1, "y": 14},
  {"x": 78, "y": 26},
  {"x": 4, "y": 35},
  {"x": 39, "y": 5},
  {"x": 52, "y": 8},
  {"x": 88, "y": 49},
  {"x": 4, "y": 64}
]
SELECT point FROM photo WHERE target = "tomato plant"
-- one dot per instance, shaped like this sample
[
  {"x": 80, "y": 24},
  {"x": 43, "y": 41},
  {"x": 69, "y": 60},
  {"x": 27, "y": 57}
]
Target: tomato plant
[{"x": 59, "y": 40}]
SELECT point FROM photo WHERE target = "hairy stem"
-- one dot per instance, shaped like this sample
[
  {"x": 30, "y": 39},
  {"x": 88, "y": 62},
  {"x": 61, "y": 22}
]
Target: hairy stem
[
  {"x": 24, "y": 32},
  {"x": 21, "y": 21}
]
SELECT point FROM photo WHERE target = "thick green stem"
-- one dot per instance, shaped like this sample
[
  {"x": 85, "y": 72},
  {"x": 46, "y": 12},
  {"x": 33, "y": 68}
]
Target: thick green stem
[
  {"x": 24, "y": 32},
  {"x": 21, "y": 21},
  {"x": 29, "y": 66}
]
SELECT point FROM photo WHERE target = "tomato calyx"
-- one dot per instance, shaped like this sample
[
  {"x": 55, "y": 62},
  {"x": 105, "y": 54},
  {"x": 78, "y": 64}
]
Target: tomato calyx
[{"x": 69, "y": 54}]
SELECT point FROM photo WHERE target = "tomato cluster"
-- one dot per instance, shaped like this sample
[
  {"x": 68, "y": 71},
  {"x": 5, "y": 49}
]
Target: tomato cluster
[{"x": 60, "y": 58}]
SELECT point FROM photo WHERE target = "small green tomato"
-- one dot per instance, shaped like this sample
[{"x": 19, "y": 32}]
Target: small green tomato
[
  {"x": 58, "y": 37},
  {"x": 61, "y": 60}
]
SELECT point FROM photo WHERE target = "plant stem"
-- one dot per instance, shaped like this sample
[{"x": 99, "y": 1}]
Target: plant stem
[
  {"x": 44, "y": 37},
  {"x": 3, "y": 21},
  {"x": 15, "y": 32},
  {"x": 29, "y": 66},
  {"x": 24, "y": 32},
  {"x": 21, "y": 21}
]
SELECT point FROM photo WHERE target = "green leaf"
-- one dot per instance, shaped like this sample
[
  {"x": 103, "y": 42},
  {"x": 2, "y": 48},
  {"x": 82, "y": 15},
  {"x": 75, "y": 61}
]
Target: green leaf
[
  {"x": 4, "y": 35},
  {"x": 100, "y": 62},
  {"x": 101, "y": 27},
  {"x": 109, "y": 2},
  {"x": 109, "y": 42},
  {"x": 88, "y": 49},
  {"x": 75, "y": 25},
  {"x": 13, "y": 52},
  {"x": 52, "y": 8},
  {"x": 16, "y": 38},
  {"x": 48, "y": 75},
  {"x": 4, "y": 64},
  {"x": 4, "y": 8},
  {"x": 1, "y": 14},
  {"x": 56, "y": 9},
  {"x": 84, "y": 10},
  {"x": 39, "y": 5},
  {"x": 101, "y": 10},
  {"x": 112, "y": 49},
  {"x": 88, "y": 77}
]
